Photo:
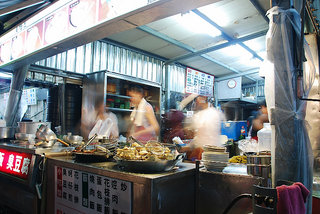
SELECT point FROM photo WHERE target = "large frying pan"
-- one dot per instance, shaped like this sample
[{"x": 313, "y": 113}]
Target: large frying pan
[
  {"x": 148, "y": 166},
  {"x": 92, "y": 157}
]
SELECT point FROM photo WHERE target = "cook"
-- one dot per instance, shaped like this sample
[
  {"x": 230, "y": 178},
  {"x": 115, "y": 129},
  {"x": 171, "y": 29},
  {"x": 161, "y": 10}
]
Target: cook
[
  {"x": 144, "y": 125},
  {"x": 106, "y": 124},
  {"x": 206, "y": 124},
  {"x": 257, "y": 122}
]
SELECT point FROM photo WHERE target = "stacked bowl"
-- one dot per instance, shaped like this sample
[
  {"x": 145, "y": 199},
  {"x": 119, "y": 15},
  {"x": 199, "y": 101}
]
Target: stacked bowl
[{"x": 215, "y": 158}]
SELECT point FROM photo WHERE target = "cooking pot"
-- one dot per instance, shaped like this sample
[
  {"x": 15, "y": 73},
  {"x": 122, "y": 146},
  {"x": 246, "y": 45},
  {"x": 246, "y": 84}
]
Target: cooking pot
[
  {"x": 31, "y": 127},
  {"x": 259, "y": 159},
  {"x": 259, "y": 170},
  {"x": 7, "y": 132}
]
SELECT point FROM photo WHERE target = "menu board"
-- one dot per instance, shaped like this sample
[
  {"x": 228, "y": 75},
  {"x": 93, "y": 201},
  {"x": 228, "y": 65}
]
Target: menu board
[
  {"x": 199, "y": 83},
  {"x": 60, "y": 20},
  {"x": 29, "y": 96},
  {"x": 81, "y": 192}
]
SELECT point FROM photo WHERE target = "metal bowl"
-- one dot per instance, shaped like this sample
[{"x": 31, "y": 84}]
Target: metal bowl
[
  {"x": 23, "y": 136},
  {"x": 73, "y": 139}
]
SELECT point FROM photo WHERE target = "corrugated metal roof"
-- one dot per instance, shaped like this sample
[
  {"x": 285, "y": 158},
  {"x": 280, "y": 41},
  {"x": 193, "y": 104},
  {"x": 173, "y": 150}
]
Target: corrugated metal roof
[{"x": 172, "y": 37}]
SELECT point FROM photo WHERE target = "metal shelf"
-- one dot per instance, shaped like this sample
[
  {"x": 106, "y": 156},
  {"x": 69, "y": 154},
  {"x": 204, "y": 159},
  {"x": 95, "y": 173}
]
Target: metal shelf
[
  {"x": 118, "y": 95},
  {"x": 119, "y": 109}
]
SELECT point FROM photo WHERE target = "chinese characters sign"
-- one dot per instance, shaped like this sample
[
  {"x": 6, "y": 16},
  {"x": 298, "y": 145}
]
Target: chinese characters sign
[
  {"x": 199, "y": 83},
  {"x": 29, "y": 97},
  {"x": 15, "y": 163},
  {"x": 82, "y": 192},
  {"x": 62, "y": 19}
]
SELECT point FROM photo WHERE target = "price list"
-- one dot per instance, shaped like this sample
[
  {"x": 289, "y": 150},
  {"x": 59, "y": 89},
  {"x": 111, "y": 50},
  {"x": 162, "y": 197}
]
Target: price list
[
  {"x": 82, "y": 192},
  {"x": 199, "y": 83}
]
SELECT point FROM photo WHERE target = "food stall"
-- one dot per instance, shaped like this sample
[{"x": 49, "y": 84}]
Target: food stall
[
  {"x": 105, "y": 188},
  {"x": 109, "y": 67}
]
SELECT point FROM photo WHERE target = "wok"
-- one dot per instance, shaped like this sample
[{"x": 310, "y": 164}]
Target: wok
[
  {"x": 23, "y": 136},
  {"x": 148, "y": 166},
  {"x": 92, "y": 157}
]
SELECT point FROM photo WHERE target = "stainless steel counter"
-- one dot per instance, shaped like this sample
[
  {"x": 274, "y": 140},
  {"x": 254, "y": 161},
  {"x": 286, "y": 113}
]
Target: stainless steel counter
[
  {"x": 31, "y": 149},
  {"x": 167, "y": 192},
  {"x": 217, "y": 190}
]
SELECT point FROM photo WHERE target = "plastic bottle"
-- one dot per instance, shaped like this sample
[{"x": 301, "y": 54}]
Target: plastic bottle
[
  {"x": 242, "y": 133},
  {"x": 264, "y": 138}
]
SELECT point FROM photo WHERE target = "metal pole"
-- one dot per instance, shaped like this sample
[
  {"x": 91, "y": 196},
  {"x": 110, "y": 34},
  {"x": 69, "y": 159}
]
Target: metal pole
[
  {"x": 167, "y": 87},
  {"x": 13, "y": 104}
]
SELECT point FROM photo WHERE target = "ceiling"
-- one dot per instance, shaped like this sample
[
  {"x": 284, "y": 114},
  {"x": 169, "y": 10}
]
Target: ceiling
[
  {"x": 177, "y": 36},
  {"x": 240, "y": 47},
  {"x": 178, "y": 40}
]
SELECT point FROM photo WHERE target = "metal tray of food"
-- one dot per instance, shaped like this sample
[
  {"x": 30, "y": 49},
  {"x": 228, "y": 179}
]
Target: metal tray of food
[{"x": 148, "y": 166}]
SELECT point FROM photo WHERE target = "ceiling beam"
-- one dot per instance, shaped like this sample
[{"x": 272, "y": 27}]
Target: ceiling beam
[
  {"x": 217, "y": 47},
  {"x": 20, "y": 6},
  {"x": 225, "y": 35},
  {"x": 249, "y": 72},
  {"x": 186, "y": 47}
]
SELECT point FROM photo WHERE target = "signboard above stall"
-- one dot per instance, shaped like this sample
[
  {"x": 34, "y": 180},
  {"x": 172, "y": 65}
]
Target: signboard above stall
[
  {"x": 67, "y": 18},
  {"x": 15, "y": 163},
  {"x": 199, "y": 83},
  {"x": 66, "y": 24}
]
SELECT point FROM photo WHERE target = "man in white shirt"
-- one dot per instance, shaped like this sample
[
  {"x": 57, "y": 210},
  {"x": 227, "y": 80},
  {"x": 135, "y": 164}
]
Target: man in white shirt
[{"x": 106, "y": 123}]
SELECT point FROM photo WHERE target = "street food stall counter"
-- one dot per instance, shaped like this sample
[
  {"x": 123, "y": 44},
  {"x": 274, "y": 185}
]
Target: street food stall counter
[
  {"x": 105, "y": 188},
  {"x": 21, "y": 175}
]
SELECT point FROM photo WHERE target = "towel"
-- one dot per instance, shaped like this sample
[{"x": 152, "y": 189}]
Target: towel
[
  {"x": 137, "y": 114},
  {"x": 291, "y": 199}
]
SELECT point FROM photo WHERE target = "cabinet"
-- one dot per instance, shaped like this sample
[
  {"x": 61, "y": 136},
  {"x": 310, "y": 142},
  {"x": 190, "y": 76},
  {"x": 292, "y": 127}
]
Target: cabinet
[{"x": 112, "y": 89}]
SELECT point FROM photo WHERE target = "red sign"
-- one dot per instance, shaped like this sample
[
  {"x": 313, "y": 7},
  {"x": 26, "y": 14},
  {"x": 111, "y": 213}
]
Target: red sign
[
  {"x": 59, "y": 182},
  {"x": 15, "y": 163}
]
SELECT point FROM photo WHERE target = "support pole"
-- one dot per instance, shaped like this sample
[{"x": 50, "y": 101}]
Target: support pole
[{"x": 11, "y": 115}]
